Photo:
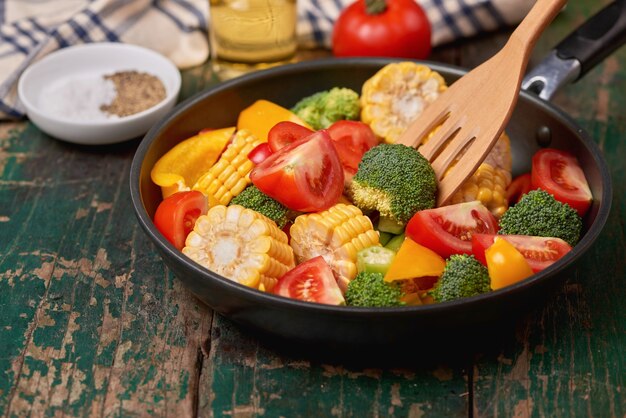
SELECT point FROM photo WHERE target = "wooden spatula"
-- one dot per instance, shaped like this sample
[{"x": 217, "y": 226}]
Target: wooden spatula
[{"x": 475, "y": 109}]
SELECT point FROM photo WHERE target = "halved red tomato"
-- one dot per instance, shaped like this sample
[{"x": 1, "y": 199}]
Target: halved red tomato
[
  {"x": 448, "y": 230},
  {"x": 284, "y": 133},
  {"x": 305, "y": 176},
  {"x": 518, "y": 188},
  {"x": 311, "y": 281},
  {"x": 352, "y": 139},
  {"x": 260, "y": 153},
  {"x": 176, "y": 215},
  {"x": 558, "y": 173},
  {"x": 539, "y": 252}
]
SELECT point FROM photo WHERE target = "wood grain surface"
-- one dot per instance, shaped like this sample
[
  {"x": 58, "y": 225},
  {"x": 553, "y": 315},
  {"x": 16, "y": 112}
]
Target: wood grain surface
[{"x": 93, "y": 324}]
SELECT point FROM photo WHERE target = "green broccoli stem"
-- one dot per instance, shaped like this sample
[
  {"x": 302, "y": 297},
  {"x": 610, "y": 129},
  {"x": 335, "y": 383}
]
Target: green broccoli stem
[
  {"x": 375, "y": 7},
  {"x": 386, "y": 224}
]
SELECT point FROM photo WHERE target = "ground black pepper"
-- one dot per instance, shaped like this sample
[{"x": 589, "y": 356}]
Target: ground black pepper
[{"x": 135, "y": 92}]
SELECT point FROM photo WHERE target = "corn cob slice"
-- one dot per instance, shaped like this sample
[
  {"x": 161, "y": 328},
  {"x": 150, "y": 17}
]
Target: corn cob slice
[
  {"x": 231, "y": 173},
  {"x": 241, "y": 245},
  {"x": 488, "y": 184},
  {"x": 337, "y": 234},
  {"x": 395, "y": 95}
]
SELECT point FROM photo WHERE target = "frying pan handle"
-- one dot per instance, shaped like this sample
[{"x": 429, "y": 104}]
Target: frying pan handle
[{"x": 588, "y": 45}]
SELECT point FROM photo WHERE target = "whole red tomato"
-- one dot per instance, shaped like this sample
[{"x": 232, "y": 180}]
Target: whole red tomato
[{"x": 383, "y": 28}]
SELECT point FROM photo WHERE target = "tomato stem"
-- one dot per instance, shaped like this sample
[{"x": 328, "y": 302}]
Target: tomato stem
[{"x": 374, "y": 7}]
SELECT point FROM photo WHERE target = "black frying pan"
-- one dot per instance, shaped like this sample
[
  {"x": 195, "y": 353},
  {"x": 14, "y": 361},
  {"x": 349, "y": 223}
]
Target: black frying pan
[{"x": 534, "y": 124}]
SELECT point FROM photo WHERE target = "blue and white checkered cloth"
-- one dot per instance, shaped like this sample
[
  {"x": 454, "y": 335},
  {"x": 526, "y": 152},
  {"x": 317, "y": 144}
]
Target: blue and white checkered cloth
[{"x": 31, "y": 29}]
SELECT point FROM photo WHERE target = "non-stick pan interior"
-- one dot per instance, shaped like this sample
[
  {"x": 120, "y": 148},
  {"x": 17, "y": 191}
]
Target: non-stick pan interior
[{"x": 534, "y": 124}]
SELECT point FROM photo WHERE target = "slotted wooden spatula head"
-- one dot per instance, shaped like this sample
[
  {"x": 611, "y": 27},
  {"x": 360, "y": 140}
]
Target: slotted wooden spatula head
[{"x": 472, "y": 113}]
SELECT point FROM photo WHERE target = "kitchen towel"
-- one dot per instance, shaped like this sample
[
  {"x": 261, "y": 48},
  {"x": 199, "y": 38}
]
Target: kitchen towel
[{"x": 30, "y": 29}]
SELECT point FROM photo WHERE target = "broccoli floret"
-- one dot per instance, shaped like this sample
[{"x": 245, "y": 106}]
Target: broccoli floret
[
  {"x": 538, "y": 213},
  {"x": 462, "y": 277},
  {"x": 371, "y": 290},
  {"x": 322, "y": 109},
  {"x": 395, "y": 180},
  {"x": 253, "y": 198}
]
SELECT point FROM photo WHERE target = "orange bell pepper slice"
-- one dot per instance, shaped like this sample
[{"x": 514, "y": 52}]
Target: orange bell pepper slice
[
  {"x": 506, "y": 264},
  {"x": 262, "y": 115},
  {"x": 414, "y": 260},
  {"x": 180, "y": 168}
]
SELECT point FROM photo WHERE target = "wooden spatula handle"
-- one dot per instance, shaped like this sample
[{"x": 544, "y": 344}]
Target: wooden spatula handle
[{"x": 540, "y": 16}]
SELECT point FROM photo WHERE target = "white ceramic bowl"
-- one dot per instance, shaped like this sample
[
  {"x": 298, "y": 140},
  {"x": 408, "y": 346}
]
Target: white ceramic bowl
[{"x": 94, "y": 60}]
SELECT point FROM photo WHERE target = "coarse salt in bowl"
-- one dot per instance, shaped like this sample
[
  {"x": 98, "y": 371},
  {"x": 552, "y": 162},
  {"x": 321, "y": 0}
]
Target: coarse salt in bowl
[{"x": 64, "y": 92}]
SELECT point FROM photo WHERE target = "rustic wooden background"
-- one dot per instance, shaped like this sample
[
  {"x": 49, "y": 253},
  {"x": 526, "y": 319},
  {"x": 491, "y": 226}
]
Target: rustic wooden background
[{"x": 93, "y": 324}]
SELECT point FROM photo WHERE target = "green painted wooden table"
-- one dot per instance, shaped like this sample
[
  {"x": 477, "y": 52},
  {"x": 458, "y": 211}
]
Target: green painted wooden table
[{"x": 93, "y": 324}]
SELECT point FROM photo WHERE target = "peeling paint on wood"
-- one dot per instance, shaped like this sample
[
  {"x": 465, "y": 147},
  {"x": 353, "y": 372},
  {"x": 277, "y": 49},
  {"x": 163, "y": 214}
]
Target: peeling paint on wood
[
  {"x": 80, "y": 339},
  {"x": 237, "y": 380}
]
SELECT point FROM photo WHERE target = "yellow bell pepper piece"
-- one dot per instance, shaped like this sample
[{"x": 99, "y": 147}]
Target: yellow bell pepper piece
[
  {"x": 180, "y": 168},
  {"x": 262, "y": 115},
  {"x": 506, "y": 264},
  {"x": 414, "y": 260}
]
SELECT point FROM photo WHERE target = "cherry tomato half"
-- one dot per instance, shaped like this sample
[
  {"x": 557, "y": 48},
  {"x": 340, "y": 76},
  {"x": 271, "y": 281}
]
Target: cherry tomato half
[
  {"x": 306, "y": 175},
  {"x": 260, "y": 153},
  {"x": 176, "y": 215},
  {"x": 518, "y": 188},
  {"x": 284, "y": 133},
  {"x": 558, "y": 173},
  {"x": 352, "y": 139},
  {"x": 448, "y": 230},
  {"x": 311, "y": 281},
  {"x": 401, "y": 30},
  {"x": 539, "y": 252}
]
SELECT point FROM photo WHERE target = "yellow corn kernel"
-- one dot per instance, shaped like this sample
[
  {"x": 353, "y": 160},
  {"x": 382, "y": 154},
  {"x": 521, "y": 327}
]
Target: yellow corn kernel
[
  {"x": 231, "y": 173},
  {"x": 396, "y": 95},
  {"x": 241, "y": 245},
  {"x": 492, "y": 177},
  {"x": 337, "y": 234},
  {"x": 489, "y": 182},
  {"x": 485, "y": 185}
]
